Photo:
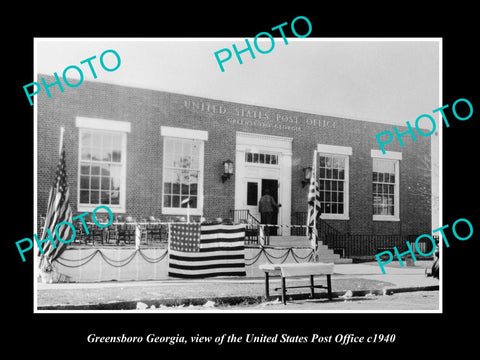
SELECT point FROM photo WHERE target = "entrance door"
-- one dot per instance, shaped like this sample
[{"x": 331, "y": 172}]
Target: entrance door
[
  {"x": 253, "y": 194},
  {"x": 255, "y": 190},
  {"x": 271, "y": 186}
]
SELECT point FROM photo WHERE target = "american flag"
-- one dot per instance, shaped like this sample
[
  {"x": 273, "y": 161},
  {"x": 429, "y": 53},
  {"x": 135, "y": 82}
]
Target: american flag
[
  {"x": 198, "y": 251},
  {"x": 314, "y": 207},
  {"x": 58, "y": 210}
]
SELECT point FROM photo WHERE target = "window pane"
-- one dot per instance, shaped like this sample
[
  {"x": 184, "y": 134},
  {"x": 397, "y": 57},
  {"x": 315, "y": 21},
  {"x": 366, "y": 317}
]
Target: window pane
[
  {"x": 169, "y": 146},
  {"x": 340, "y": 185},
  {"x": 322, "y": 161},
  {"x": 262, "y": 158},
  {"x": 105, "y": 183},
  {"x": 328, "y": 162},
  {"x": 86, "y": 139},
  {"x": 95, "y": 182},
  {"x": 84, "y": 182},
  {"x": 267, "y": 158},
  {"x": 185, "y": 189},
  {"x": 85, "y": 169},
  {"x": 255, "y": 158},
  {"x": 115, "y": 176},
  {"x": 322, "y": 173},
  {"x": 175, "y": 201},
  {"x": 341, "y": 174},
  {"x": 105, "y": 197},
  {"x": 95, "y": 170},
  {"x": 167, "y": 186},
  {"x": 193, "y": 202},
  {"x": 167, "y": 201},
  {"x": 187, "y": 148},
  {"x": 184, "y": 202},
  {"x": 105, "y": 170},
  {"x": 106, "y": 155},
  {"x": 115, "y": 197},
  {"x": 84, "y": 196},
  {"x": 116, "y": 156},
  {"x": 274, "y": 159},
  {"x": 86, "y": 153},
  {"x": 335, "y": 162},
  {"x": 96, "y": 154},
  {"x": 94, "y": 197},
  {"x": 334, "y": 209},
  {"x": 177, "y": 146},
  {"x": 249, "y": 157},
  {"x": 252, "y": 193}
]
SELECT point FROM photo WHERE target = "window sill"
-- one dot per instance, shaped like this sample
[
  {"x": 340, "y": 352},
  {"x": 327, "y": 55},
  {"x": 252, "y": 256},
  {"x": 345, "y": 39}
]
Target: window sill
[
  {"x": 181, "y": 211},
  {"x": 334, "y": 217},
  {"x": 385, "y": 218},
  {"x": 90, "y": 208}
]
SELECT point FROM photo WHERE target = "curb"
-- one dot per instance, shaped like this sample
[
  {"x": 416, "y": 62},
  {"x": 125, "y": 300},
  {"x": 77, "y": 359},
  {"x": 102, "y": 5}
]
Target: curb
[{"x": 234, "y": 300}]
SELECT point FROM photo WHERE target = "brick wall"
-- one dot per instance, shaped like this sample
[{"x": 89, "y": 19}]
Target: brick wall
[{"x": 148, "y": 110}]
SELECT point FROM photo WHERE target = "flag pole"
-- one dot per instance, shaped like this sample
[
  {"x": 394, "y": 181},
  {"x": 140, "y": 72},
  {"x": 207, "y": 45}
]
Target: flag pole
[{"x": 62, "y": 130}]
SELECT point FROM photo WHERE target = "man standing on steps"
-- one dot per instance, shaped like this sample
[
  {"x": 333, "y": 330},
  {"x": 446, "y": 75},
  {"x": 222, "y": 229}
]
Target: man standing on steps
[{"x": 267, "y": 207}]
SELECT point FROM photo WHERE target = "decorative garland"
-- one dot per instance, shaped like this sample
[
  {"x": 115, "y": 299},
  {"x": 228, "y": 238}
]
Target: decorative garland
[
  {"x": 283, "y": 257},
  {"x": 110, "y": 261},
  {"x": 123, "y": 262}
]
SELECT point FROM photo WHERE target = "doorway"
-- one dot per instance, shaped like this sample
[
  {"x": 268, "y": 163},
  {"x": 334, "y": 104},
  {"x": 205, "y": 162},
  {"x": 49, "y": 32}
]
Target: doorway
[
  {"x": 263, "y": 162},
  {"x": 255, "y": 190}
]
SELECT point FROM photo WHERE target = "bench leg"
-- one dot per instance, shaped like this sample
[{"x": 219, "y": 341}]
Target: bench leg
[
  {"x": 267, "y": 285},
  {"x": 284, "y": 291},
  {"x": 329, "y": 287},
  {"x": 312, "y": 289}
]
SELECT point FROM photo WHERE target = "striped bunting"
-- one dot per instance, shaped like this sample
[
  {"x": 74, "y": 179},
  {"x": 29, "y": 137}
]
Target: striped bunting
[{"x": 199, "y": 251}]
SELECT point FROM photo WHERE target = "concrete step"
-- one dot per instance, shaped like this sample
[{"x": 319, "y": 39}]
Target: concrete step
[{"x": 325, "y": 254}]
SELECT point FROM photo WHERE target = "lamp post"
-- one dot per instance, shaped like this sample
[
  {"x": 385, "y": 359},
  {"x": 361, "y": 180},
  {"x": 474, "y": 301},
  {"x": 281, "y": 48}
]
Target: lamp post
[
  {"x": 307, "y": 175},
  {"x": 227, "y": 170}
]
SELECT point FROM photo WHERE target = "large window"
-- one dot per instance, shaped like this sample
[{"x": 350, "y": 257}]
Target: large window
[
  {"x": 182, "y": 171},
  {"x": 100, "y": 168},
  {"x": 332, "y": 183},
  {"x": 385, "y": 176},
  {"x": 333, "y": 163},
  {"x": 101, "y": 179}
]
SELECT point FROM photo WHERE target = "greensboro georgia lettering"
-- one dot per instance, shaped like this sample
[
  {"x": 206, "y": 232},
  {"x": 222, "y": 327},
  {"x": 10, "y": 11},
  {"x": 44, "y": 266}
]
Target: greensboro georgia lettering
[
  {"x": 419, "y": 252},
  {"x": 49, "y": 236}
]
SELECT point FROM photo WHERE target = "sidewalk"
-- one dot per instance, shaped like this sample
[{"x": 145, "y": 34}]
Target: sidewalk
[{"x": 360, "y": 279}]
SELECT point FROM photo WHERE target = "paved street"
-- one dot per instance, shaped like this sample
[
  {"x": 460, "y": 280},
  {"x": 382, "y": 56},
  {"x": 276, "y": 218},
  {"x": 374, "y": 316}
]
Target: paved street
[
  {"x": 405, "y": 288},
  {"x": 417, "y": 300}
]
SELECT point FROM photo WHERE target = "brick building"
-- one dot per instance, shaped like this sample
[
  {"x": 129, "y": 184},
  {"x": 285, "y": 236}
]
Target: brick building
[{"x": 142, "y": 152}]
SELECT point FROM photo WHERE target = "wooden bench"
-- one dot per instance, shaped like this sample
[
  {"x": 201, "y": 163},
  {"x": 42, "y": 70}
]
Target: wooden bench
[{"x": 298, "y": 269}]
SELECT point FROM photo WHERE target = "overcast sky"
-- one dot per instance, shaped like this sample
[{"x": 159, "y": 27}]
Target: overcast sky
[{"x": 388, "y": 81}]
